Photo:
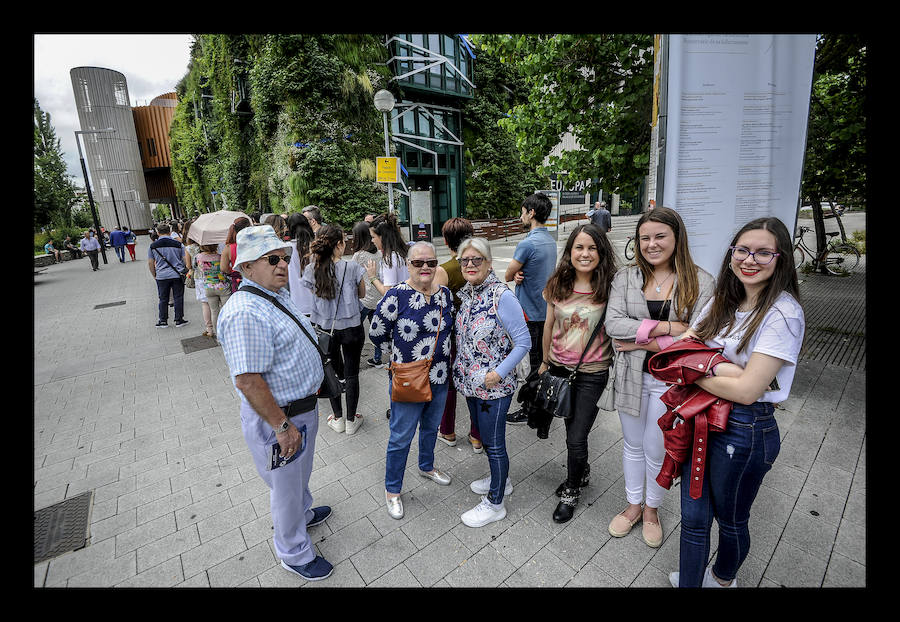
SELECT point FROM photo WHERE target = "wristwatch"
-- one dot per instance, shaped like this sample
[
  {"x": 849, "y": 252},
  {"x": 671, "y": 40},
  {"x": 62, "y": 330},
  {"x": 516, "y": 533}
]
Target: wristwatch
[{"x": 283, "y": 427}]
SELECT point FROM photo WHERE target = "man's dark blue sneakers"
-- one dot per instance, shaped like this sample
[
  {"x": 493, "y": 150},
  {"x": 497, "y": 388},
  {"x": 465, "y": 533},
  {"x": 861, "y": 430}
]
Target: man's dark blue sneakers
[
  {"x": 316, "y": 570},
  {"x": 320, "y": 515}
]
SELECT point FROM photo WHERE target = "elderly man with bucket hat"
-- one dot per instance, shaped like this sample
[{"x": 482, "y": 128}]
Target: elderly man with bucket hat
[{"x": 277, "y": 372}]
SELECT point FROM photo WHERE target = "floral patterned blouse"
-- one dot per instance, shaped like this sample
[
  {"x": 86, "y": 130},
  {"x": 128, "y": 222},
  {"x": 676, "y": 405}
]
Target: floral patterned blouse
[{"x": 409, "y": 320}]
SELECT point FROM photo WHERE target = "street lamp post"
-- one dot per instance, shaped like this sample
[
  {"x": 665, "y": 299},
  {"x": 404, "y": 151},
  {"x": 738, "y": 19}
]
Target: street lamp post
[
  {"x": 384, "y": 103},
  {"x": 87, "y": 185}
]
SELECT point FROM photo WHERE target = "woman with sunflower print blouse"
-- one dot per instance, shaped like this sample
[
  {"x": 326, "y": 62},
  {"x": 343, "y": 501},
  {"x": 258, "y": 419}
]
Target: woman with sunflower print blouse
[{"x": 415, "y": 316}]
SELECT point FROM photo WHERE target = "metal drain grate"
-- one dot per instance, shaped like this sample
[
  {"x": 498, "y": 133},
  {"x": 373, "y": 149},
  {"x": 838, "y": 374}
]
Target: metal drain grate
[
  {"x": 62, "y": 527},
  {"x": 195, "y": 344},
  {"x": 109, "y": 304}
]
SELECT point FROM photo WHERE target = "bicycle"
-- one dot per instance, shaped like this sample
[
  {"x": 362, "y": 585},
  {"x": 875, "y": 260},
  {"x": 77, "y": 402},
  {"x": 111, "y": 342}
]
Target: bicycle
[
  {"x": 629, "y": 249},
  {"x": 839, "y": 258}
]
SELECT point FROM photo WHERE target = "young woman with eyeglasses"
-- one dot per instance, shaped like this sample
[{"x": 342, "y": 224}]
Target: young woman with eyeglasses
[
  {"x": 337, "y": 286},
  {"x": 652, "y": 301},
  {"x": 756, "y": 316}
]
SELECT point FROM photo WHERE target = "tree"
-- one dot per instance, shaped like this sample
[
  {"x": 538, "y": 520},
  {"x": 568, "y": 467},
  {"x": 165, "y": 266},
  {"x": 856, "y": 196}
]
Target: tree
[
  {"x": 496, "y": 178},
  {"x": 303, "y": 132},
  {"x": 835, "y": 159},
  {"x": 598, "y": 87},
  {"x": 54, "y": 191}
]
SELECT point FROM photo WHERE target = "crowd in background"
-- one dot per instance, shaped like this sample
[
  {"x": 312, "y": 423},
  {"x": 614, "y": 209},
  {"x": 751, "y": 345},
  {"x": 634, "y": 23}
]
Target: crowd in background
[{"x": 457, "y": 328}]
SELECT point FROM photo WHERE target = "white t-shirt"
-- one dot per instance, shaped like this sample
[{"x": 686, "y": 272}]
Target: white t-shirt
[
  {"x": 396, "y": 273},
  {"x": 780, "y": 335}
]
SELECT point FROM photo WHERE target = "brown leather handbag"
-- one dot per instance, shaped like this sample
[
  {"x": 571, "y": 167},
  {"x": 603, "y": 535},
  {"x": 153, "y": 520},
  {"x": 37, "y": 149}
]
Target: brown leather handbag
[{"x": 410, "y": 382}]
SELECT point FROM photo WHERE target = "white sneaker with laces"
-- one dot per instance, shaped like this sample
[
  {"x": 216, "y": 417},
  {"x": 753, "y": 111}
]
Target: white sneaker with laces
[
  {"x": 483, "y": 486},
  {"x": 338, "y": 425},
  {"x": 352, "y": 426},
  {"x": 483, "y": 514}
]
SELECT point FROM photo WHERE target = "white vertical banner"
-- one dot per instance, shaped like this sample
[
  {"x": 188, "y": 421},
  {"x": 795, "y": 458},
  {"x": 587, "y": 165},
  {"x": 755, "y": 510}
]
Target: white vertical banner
[{"x": 737, "y": 115}]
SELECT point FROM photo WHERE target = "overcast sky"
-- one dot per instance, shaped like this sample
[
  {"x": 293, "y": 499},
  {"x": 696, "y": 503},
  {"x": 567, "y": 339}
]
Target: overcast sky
[{"x": 152, "y": 65}]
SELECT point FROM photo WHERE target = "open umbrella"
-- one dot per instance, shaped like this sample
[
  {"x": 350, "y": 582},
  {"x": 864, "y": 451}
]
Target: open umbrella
[{"x": 212, "y": 228}]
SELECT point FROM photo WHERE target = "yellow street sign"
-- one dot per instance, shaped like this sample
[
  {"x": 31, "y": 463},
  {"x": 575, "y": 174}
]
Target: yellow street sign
[{"x": 387, "y": 170}]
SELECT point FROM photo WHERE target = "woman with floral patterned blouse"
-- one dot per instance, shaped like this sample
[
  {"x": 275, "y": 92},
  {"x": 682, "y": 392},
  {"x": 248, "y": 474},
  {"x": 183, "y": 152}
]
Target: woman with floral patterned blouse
[{"x": 415, "y": 317}]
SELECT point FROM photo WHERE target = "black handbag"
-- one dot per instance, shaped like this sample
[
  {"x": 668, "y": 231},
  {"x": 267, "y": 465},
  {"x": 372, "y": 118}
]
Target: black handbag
[
  {"x": 323, "y": 335},
  {"x": 554, "y": 393},
  {"x": 331, "y": 386}
]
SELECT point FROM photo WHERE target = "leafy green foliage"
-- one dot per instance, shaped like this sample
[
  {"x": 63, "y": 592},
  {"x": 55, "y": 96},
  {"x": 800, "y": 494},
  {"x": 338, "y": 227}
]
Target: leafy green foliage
[
  {"x": 311, "y": 126},
  {"x": 54, "y": 191},
  {"x": 599, "y": 87},
  {"x": 835, "y": 159},
  {"x": 835, "y": 163},
  {"x": 496, "y": 178}
]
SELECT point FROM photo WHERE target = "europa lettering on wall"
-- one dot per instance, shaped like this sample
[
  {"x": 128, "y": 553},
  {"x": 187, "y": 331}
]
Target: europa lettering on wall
[
  {"x": 571, "y": 193},
  {"x": 737, "y": 108}
]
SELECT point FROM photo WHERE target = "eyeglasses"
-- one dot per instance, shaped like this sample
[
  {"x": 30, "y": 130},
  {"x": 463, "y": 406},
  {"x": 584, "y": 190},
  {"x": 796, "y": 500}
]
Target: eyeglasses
[
  {"x": 761, "y": 257},
  {"x": 475, "y": 261},
  {"x": 418, "y": 263},
  {"x": 274, "y": 259}
]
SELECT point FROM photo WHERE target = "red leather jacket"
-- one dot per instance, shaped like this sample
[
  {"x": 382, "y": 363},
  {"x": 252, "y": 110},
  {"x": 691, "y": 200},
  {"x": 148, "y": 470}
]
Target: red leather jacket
[{"x": 691, "y": 412}]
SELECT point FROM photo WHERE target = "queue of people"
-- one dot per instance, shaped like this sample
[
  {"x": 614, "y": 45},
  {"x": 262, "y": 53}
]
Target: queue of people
[{"x": 457, "y": 328}]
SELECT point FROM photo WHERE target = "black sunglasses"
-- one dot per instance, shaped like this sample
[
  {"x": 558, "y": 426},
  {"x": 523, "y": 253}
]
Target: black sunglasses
[
  {"x": 274, "y": 259},
  {"x": 418, "y": 263},
  {"x": 475, "y": 261}
]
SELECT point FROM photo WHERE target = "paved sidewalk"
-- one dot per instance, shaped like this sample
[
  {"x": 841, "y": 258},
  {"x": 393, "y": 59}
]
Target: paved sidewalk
[{"x": 121, "y": 410}]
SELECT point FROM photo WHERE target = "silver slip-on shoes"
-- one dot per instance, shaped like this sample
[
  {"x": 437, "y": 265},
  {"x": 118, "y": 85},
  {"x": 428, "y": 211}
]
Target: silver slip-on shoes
[{"x": 438, "y": 477}]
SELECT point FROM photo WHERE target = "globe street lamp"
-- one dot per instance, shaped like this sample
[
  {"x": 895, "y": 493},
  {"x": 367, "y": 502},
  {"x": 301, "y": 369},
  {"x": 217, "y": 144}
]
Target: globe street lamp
[
  {"x": 87, "y": 186},
  {"x": 384, "y": 103}
]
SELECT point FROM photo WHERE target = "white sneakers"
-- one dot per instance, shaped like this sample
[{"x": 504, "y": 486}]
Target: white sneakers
[
  {"x": 341, "y": 425},
  {"x": 483, "y": 513},
  {"x": 483, "y": 486},
  {"x": 708, "y": 580},
  {"x": 338, "y": 425},
  {"x": 352, "y": 426}
]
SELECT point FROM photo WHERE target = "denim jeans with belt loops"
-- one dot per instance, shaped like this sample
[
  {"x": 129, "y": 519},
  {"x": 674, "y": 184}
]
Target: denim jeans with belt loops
[
  {"x": 490, "y": 418},
  {"x": 737, "y": 461},
  {"x": 405, "y": 418}
]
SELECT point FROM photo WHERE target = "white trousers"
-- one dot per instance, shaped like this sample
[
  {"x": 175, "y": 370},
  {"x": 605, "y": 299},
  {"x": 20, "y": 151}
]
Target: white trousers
[
  {"x": 644, "y": 451},
  {"x": 291, "y": 501}
]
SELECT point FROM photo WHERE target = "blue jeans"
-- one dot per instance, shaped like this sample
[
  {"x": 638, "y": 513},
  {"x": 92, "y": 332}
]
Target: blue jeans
[
  {"x": 738, "y": 460},
  {"x": 120, "y": 253},
  {"x": 405, "y": 418},
  {"x": 489, "y": 416}
]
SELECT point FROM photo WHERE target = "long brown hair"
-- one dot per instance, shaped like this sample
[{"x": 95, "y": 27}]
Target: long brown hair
[
  {"x": 322, "y": 250},
  {"x": 387, "y": 228},
  {"x": 688, "y": 289},
  {"x": 239, "y": 223},
  {"x": 730, "y": 292},
  {"x": 562, "y": 282}
]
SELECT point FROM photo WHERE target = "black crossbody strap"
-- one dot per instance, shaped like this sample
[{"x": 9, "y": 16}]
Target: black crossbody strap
[
  {"x": 255, "y": 290},
  {"x": 163, "y": 257},
  {"x": 591, "y": 340}
]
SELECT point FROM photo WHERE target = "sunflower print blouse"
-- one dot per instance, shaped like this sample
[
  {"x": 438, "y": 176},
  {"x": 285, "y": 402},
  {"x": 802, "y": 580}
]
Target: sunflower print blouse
[{"x": 410, "y": 321}]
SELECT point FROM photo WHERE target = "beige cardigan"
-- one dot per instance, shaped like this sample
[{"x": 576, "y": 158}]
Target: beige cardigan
[{"x": 626, "y": 310}]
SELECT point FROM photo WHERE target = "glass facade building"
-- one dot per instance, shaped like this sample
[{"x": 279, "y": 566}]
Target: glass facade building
[{"x": 434, "y": 73}]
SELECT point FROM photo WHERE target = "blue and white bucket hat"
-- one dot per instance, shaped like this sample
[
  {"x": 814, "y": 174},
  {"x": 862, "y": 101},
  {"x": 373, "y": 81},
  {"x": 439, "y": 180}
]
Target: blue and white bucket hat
[{"x": 254, "y": 242}]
